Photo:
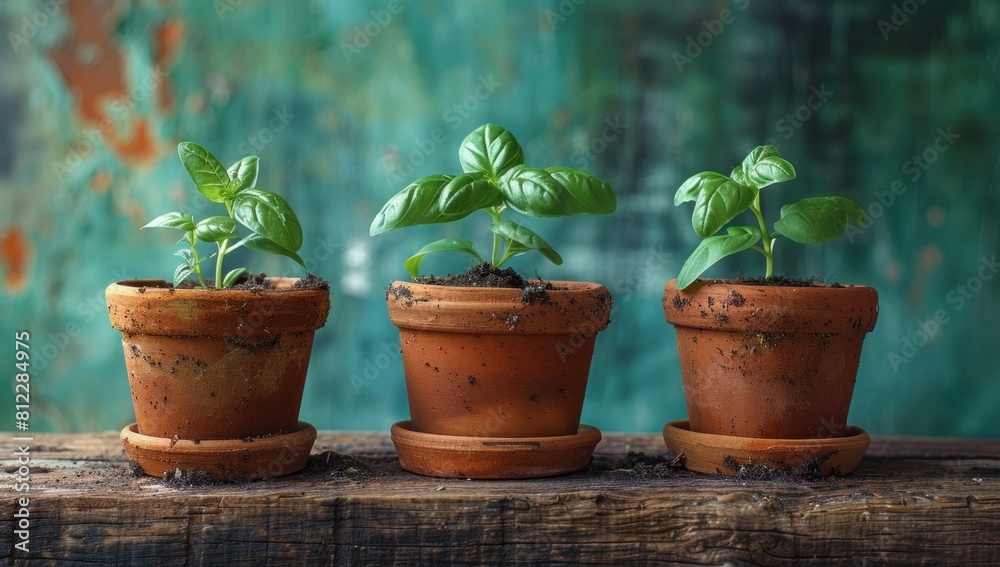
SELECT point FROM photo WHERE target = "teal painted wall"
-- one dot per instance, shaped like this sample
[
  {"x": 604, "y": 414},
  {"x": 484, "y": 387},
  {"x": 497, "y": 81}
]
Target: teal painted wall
[{"x": 95, "y": 97}]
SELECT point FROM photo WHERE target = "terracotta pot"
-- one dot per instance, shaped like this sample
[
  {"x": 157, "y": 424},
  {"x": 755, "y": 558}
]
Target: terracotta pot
[
  {"x": 766, "y": 361},
  {"x": 216, "y": 364},
  {"x": 484, "y": 362}
]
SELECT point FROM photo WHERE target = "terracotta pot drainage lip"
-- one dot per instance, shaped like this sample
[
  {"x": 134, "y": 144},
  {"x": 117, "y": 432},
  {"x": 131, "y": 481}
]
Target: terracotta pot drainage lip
[
  {"x": 706, "y": 453},
  {"x": 223, "y": 459},
  {"x": 454, "y": 456}
]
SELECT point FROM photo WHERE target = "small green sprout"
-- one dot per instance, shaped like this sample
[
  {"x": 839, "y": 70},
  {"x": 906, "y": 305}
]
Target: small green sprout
[
  {"x": 719, "y": 199},
  {"x": 495, "y": 179},
  {"x": 271, "y": 222}
]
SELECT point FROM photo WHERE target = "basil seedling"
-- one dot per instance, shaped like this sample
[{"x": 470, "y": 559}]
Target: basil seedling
[
  {"x": 495, "y": 179},
  {"x": 719, "y": 199},
  {"x": 271, "y": 222}
]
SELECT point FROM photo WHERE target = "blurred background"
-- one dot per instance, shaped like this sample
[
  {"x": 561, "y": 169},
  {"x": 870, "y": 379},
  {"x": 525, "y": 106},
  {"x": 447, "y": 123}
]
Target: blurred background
[{"x": 891, "y": 103}]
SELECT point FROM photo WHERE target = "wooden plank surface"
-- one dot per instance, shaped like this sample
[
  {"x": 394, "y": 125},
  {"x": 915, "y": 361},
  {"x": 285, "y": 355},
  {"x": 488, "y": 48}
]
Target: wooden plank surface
[{"x": 913, "y": 501}]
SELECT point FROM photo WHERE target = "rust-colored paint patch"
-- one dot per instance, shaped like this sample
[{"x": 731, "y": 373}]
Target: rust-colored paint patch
[
  {"x": 142, "y": 147},
  {"x": 169, "y": 38},
  {"x": 100, "y": 182},
  {"x": 92, "y": 66},
  {"x": 15, "y": 252}
]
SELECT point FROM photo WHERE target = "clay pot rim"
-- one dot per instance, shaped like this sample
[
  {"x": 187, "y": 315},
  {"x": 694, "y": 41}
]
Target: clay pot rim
[
  {"x": 501, "y": 292},
  {"x": 820, "y": 285},
  {"x": 157, "y": 455},
  {"x": 493, "y": 457},
  {"x": 572, "y": 308},
  {"x": 823, "y": 309},
  {"x": 158, "y": 288},
  {"x": 153, "y": 307},
  {"x": 850, "y": 448}
]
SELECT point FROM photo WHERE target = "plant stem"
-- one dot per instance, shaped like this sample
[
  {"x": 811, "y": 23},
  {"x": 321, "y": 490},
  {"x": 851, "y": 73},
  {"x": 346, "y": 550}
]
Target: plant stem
[
  {"x": 495, "y": 214},
  {"x": 766, "y": 241},
  {"x": 197, "y": 262},
  {"x": 218, "y": 263}
]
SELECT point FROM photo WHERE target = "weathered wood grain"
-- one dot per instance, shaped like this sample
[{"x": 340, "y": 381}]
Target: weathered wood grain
[{"x": 912, "y": 502}]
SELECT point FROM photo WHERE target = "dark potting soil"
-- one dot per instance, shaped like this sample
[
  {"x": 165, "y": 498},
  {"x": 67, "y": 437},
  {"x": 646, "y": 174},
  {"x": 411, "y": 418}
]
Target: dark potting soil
[
  {"x": 312, "y": 281},
  {"x": 338, "y": 466},
  {"x": 782, "y": 281},
  {"x": 649, "y": 467},
  {"x": 259, "y": 282},
  {"x": 187, "y": 478},
  {"x": 805, "y": 472},
  {"x": 486, "y": 275},
  {"x": 480, "y": 275},
  {"x": 253, "y": 282}
]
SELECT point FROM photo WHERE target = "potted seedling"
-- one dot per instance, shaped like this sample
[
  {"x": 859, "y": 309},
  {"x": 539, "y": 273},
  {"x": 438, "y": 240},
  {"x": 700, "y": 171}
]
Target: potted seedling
[
  {"x": 768, "y": 365},
  {"x": 496, "y": 366},
  {"x": 217, "y": 366}
]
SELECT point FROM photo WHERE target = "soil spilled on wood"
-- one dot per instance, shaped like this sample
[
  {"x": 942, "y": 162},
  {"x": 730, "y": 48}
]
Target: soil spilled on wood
[
  {"x": 338, "y": 467},
  {"x": 642, "y": 466},
  {"x": 187, "y": 478},
  {"x": 650, "y": 466},
  {"x": 803, "y": 472}
]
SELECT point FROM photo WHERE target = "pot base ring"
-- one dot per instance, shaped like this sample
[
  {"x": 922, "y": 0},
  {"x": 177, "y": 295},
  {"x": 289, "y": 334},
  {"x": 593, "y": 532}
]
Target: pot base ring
[
  {"x": 223, "y": 459},
  {"x": 715, "y": 454},
  {"x": 454, "y": 456}
]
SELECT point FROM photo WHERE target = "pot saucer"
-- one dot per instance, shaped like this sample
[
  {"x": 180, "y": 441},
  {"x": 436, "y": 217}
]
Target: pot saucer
[
  {"x": 454, "y": 456},
  {"x": 223, "y": 459},
  {"x": 708, "y": 453}
]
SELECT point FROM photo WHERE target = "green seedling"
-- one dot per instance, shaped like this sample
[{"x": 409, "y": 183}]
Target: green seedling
[
  {"x": 271, "y": 222},
  {"x": 495, "y": 179},
  {"x": 719, "y": 199}
]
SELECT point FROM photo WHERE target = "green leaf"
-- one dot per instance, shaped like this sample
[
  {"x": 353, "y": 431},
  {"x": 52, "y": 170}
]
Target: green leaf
[
  {"x": 491, "y": 150},
  {"x": 412, "y": 263},
  {"x": 270, "y": 216},
  {"x": 178, "y": 221},
  {"x": 186, "y": 254},
  {"x": 534, "y": 192},
  {"x": 522, "y": 235},
  {"x": 216, "y": 229},
  {"x": 715, "y": 248},
  {"x": 586, "y": 193},
  {"x": 764, "y": 166},
  {"x": 232, "y": 276},
  {"x": 181, "y": 273},
  {"x": 260, "y": 243},
  {"x": 757, "y": 154},
  {"x": 208, "y": 174},
  {"x": 411, "y": 206},
  {"x": 465, "y": 195},
  {"x": 243, "y": 174},
  {"x": 738, "y": 176},
  {"x": 818, "y": 219},
  {"x": 719, "y": 200},
  {"x": 694, "y": 185},
  {"x": 436, "y": 199}
]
